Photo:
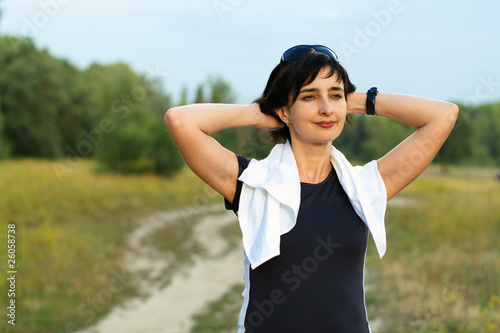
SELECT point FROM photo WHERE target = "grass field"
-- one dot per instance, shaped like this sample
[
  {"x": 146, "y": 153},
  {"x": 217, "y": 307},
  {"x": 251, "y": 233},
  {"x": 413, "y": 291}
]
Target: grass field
[
  {"x": 442, "y": 268},
  {"x": 70, "y": 234},
  {"x": 441, "y": 272}
]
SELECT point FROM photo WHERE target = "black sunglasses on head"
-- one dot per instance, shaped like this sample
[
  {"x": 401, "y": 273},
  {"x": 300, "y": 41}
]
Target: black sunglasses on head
[{"x": 299, "y": 51}]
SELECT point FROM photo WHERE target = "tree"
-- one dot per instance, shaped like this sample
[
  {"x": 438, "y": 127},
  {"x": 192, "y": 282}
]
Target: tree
[
  {"x": 127, "y": 148},
  {"x": 220, "y": 90},
  {"x": 37, "y": 97},
  {"x": 200, "y": 95},
  {"x": 184, "y": 96},
  {"x": 166, "y": 156},
  {"x": 370, "y": 138},
  {"x": 49, "y": 109},
  {"x": 138, "y": 141},
  {"x": 485, "y": 120}
]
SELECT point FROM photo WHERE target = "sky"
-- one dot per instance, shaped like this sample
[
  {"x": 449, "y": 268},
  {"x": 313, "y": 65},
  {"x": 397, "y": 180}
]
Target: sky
[{"x": 442, "y": 49}]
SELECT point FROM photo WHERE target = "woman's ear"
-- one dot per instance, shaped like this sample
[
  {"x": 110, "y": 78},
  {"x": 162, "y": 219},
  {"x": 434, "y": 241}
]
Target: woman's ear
[{"x": 281, "y": 112}]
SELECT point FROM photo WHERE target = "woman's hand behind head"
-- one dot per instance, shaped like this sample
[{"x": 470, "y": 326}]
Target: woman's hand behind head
[{"x": 266, "y": 122}]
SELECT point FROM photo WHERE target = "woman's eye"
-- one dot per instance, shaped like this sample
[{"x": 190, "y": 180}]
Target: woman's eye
[
  {"x": 337, "y": 96},
  {"x": 309, "y": 97}
]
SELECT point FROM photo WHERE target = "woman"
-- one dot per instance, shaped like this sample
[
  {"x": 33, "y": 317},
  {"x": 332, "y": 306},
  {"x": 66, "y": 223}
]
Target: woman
[{"x": 304, "y": 211}]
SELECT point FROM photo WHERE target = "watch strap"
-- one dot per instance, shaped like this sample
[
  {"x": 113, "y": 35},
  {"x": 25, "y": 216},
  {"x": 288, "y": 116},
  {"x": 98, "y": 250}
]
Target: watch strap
[{"x": 370, "y": 101}]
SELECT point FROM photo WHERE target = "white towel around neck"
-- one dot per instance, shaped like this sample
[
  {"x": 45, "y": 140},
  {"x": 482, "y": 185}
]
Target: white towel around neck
[{"x": 270, "y": 200}]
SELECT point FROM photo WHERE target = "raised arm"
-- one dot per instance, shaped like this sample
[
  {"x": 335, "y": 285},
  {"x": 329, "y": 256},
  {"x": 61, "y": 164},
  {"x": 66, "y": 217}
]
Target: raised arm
[
  {"x": 434, "y": 121},
  {"x": 190, "y": 127}
]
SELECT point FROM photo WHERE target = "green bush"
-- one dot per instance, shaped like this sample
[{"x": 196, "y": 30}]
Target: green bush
[{"x": 139, "y": 141}]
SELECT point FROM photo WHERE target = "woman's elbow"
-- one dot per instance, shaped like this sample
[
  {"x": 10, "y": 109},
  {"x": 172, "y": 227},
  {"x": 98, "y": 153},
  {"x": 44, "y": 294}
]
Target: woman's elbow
[
  {"x": 447, "y": 115},
  {"x": 452, "y": 113},
  {"x": 172, "y": 118}
]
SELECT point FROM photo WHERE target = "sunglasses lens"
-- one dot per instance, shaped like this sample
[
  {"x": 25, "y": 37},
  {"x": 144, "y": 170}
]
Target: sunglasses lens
[
  {"x": 326, "y": 50},
  {"x": 299, "y": 51},
  {"x": 296, "y": 52}
]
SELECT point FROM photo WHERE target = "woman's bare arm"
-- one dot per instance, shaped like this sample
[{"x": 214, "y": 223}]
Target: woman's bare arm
[
  {"x": 434, "y": 121},
  {"x": 190, "y": 127}
]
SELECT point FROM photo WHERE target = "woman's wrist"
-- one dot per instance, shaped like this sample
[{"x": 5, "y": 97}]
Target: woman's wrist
[
  {"x": 356, "y": 103},
  {"x": 254, "y": 114}
]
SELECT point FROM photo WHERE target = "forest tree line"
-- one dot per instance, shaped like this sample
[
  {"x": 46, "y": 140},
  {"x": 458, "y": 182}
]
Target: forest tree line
[{"x": 51, "y": 109}]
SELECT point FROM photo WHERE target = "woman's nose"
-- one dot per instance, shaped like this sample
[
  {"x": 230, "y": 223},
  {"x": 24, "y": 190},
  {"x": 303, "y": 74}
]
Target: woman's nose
[{"x": 325, "y": 107}]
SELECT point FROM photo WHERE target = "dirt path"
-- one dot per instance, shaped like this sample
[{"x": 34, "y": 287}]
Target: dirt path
[{"x": 169, "y": 310}]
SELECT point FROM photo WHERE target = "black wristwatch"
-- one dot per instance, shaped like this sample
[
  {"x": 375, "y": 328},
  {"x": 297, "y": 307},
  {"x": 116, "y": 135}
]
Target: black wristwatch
[{"x": 370, "y": 101}]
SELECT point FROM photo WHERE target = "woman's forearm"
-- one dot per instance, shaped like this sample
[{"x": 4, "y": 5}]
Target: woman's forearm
[
  {"x": 210, "y": 118},
  {"x": 434, "y": 121},
  {"x": 411, "y": 110},
  {"x": 190, "y": 127}
]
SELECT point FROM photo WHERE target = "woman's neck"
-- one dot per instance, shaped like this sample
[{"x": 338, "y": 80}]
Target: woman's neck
[{"x": 313, "y": 162}]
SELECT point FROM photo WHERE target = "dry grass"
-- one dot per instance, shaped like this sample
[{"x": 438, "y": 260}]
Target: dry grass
[
  {"x": 441, "y": 272},
  {"x": 442, "y": 269},
  {"x": 70, "y": 237}
]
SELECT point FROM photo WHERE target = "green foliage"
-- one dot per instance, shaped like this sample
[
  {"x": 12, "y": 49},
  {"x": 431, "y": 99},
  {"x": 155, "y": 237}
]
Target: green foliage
[
  {"x": 127, "y": 148},
  {"x": 220, "y": 91},
  {"x": 200, "y": 95},
  {"x": 184, "y": 97},
  {"x": 50, "y": 109},
  {"x": 37, "y": 92},
  {"x": 458, "y": 145},
  {"x": 139, "y": 141},
  {"x": 371, "y": 138},
  {"x": 486, "y": 122}
]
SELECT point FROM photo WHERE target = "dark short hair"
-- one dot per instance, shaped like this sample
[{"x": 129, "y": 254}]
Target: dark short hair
[{"x": 288, "y": 78}]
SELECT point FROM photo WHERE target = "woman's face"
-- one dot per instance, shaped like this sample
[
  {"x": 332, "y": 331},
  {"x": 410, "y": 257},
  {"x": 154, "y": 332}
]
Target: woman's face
[{"x": 318, "y": 115}]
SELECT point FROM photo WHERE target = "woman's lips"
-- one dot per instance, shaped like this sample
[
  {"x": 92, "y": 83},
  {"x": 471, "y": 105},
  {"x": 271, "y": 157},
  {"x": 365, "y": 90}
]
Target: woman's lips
[{"x": 326, "y": 124}]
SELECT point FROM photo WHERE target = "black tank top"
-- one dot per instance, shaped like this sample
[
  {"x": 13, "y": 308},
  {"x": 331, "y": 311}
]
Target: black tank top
[{"x": 316, "y": 283}]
